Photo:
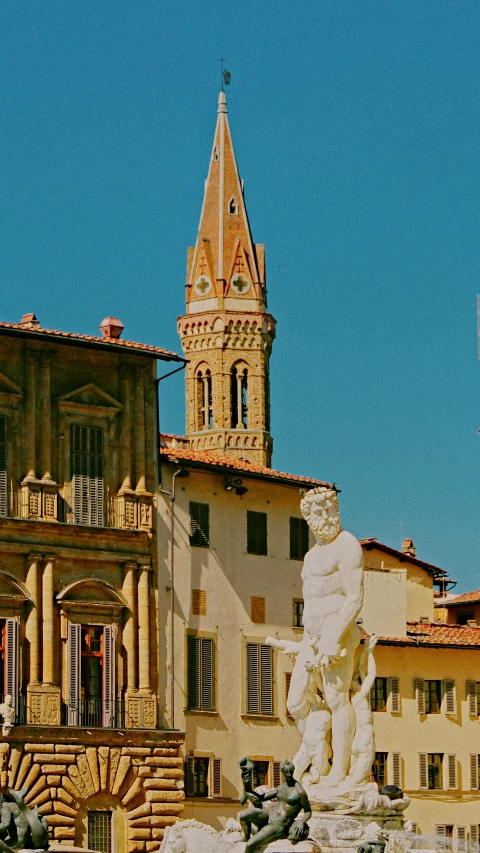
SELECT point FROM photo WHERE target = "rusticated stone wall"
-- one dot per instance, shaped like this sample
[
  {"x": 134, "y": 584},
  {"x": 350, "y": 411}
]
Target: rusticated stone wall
[{"x": 141, "y": 784}]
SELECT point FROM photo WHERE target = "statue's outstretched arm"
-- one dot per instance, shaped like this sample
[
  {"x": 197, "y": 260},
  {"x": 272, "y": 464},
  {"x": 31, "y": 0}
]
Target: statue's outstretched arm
[{"x": 288, "y": 647}]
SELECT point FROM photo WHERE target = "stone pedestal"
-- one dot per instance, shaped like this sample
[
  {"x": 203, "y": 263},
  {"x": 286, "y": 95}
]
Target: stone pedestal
[
  {"x": 140, "y": 710},
  {"x": 43, "y": 705}
]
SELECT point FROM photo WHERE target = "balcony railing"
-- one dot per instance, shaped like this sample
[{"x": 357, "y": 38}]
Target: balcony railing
[
  {"x": 95, "y": 713},
  {"x": 21, "y": 709}
]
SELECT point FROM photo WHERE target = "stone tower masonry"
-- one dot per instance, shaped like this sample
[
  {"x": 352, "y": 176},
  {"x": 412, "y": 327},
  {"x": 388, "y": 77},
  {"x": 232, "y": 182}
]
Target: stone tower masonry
[{"x": 226, "y": 331}]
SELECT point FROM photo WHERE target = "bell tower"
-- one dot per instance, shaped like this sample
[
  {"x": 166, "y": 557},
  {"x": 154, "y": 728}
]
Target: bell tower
[{"x": 226, "y": 331}]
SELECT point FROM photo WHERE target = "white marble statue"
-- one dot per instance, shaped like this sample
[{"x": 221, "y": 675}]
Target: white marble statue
[{"x": 7, "y": 711}]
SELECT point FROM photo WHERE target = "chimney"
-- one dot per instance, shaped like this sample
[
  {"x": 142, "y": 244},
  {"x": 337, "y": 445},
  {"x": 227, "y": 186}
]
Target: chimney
[
  {"x": 29, "y": 321},
  {"x": 472, "y": 623},
  {"x": 424, "y": 620},
  {"x": 111, "y": 328},
  {"x": 408, "y": 547}
]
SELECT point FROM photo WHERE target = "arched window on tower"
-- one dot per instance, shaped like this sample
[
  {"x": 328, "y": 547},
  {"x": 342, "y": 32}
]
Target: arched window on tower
[
  {"x": 239, "y": 395},
  {"x": 204, "y": 398}
]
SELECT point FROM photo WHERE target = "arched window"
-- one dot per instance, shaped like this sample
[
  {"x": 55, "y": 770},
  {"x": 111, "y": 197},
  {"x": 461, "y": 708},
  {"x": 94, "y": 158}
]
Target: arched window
[
  {"x": 239, "y": 393},
  {"x": 204, "y": 399}
]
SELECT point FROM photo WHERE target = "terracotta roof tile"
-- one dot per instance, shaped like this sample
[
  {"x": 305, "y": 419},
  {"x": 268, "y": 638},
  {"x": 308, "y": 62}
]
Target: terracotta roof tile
[
  {"x": 466, "y": 598},
  {"x": 212, "y": 460},
  {"x": 444, "y": 635},
  {"x": 75, "y": 336}
]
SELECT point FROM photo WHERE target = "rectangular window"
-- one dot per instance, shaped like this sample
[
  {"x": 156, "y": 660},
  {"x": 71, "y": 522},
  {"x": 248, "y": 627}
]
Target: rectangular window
[
  {"x": 379, "y": 768},
  {"x": 433, "y": 696},
  {"x": 91, "y": 676},
  {"x": 434, "y": 764},
  {"x": 100, "y": 831},
  {"x": 3, "y": 467},
  {"x": 298, "y": 538},
  {"x": 87, "y": 475},
  {"x": 260, "y": 773},
  {"x": 379, "y": 695},
  {"x": 199, "y": 524},
  {"x": 474, "y": 771},
  {"x": 257, "y": 609},
  {"x": 199, "y": 602},
  {"x": 197, "y": 776},
  {"x": 297, "y": 620},
  {"x": 257, "y": 532},
  {"x": 259, "y": 679},
  {"x": 200, "y": 674},
  {"x": 445, "y": 832}
]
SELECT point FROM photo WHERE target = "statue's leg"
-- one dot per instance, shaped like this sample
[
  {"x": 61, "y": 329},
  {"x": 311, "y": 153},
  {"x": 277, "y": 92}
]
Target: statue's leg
[
  {"x": 256, "y": 816},
  {"x": 301, "y": 761},
  {"x": 337, "y": 682},
  {"x": 269, "y": 832},
  {"x": 298, "y": 704}
]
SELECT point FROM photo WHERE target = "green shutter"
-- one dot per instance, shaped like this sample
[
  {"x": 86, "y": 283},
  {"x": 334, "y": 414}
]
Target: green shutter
[
  {"x": 298, "y": 538},
  {"x": 199, "y": 524},
  {"x": 193, "y": 672},
  {"x": 87, "y": 475},
  {"x": 3, "y": 467},
  {"x": 253, "y": 679},
  {"x": 200, "y": 673},
  {"x": 257, "y": 532},
  {"x": 259, "y": 679}
]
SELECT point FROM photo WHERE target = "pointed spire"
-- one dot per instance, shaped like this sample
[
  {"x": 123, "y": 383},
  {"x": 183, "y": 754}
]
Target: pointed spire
[{"x": 225, "y": 264}]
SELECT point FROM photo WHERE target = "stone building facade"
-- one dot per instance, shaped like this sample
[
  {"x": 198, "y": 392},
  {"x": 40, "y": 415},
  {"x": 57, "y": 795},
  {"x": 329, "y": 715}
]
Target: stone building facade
[{"x": 79, "y": 630}]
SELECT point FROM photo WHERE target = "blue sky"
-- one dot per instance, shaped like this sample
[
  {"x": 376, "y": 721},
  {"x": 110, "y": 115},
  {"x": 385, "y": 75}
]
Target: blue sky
[{"x": 356, "y": 129}]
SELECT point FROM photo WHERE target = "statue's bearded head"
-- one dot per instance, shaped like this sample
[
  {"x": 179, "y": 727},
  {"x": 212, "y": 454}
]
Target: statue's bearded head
[{"x": 321, "y": 512}]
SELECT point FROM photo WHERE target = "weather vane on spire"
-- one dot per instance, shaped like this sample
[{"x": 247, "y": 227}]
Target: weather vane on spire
[{"x": 226, "y": 76}]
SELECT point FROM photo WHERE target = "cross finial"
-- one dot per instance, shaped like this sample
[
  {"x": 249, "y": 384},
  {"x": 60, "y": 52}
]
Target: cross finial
[{"x": 225, "y": 75}]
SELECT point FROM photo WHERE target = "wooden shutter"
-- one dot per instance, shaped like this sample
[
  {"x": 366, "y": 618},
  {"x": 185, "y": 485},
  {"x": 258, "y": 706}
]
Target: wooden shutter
[
  {"x": 109, "y": 661},
  {"x": 256, "y": 532},
  {"x": 257, "y": 609},
  {"x": 472, "y": 698},
  {"x": 199, "y": 602},
  {"x": 461, "y": 836},
  {"x": 266, "y": 663},
  {"x": 189, "y": 776},
  {"x": 394, "y": 689},
  {"x": 277, "y": 774},
  {"x": 396, "y": 769},
  {"x": 423, "y": 764},
  {"x": 474, "y": 834},
  {"x": 253, "y": 679},
  {"x": 288, "y": 678},
  {"x": 87, "y": 475},
  {"x": 441, "y": 830},
  {"x": 216, "y": 777},
  {"x": 206, "y": 674},
  {"x": 3, "y": 467},
  {"x": 74, "y": 640},
  {"x": 474, "y": 762},
  {"x": 298, "y": 538},
  {"x": 414, "y": 828},
  {"x": 451, "y": 772},
  {"x": 12, "y": 653},
  {"x": 193, "y": 672},
  {"x": 199, "y": 524},
  {"x": 420, "y": 695},
  {"x": 449, "y": 697}
]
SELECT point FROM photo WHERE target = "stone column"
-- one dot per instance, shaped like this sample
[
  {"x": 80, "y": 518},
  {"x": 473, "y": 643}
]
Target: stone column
[
  {"x": 129, "y": 629},
  {"x": 140, "y": 432},
  {"x": 45, "y": 421},
  {"x": 49, "y": 651},
  {"x": 31, "y": 625},
  {"x": 30, "y": 437},
  {"x": 144, "y": 627},
  {"x": 125, "y": 434}
]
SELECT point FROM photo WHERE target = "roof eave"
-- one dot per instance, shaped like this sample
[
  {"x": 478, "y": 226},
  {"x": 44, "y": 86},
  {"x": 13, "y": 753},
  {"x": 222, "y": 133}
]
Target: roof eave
[
  {"x": 80, "y": 342},
  {"x": 252, "y": 475}
]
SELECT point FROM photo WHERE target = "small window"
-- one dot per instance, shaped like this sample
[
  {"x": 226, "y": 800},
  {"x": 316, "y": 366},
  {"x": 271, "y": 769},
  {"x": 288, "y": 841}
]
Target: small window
[
  {"x": 197, "y": 776},
  {"x": 100, "y": 831},
  {"x": 257, "y": 609},
  {"x": 257, "y": 532},
  {"x": 379, "y": 695},
  {"x": 297, "y": 620},
  {"x": 259, "y": 679},
  {"x": 232, "y": 207},
  {"x": 199, "y": 524},
  {"x": 199, "y": 602},
  {"x": 215, "y": 154},
  {"x": 298, "y": 538},
  {"x": 435, "y": 763},
  {"x": 379, "y": 768},
  {"x": 433, "y": 696},
  {"x": 200, "y": 673},
  {"x": 260, "y": 773}
]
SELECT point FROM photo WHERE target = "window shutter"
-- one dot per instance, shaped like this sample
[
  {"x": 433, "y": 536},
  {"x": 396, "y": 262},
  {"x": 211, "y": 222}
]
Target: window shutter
[
  {"x": 414, "y": 828},
  {"x": 257, "y": 609},
  {"x": 288, "y": 678},
  {"x": 12, "y": 659},
  {"x": 441, "y": 830},
  {"x": 395, "y": 705},
  {"x": 266, "y": 679},
  {"x": 298, "y": 538},
  {"x": 87, "y": 475},
  {"x": 449, "y": 698},
  {"x": 257, "y": 532},
  {"x": 474, "y": 762},
  {"x": 74, "y": 651},
  {"x": 472, "y": 698},
  {"x": 189, "y": 776},
  {"x": 396, "y": 769},
  {"x": 199, "y": 524},
  {"x": 423, "y": 760},
  {"x": 277, "y": 774},
  {"x": 420, "y": 694},
  {"x": 3, "y": 467},
  {"x": 253, "y": 679},
  {"x": 451, "y": 768},
  {"x": 461, "y": 835},
  {"x": 199, "y": 602},
  {"x": 193, "y": 672},
  {"x": 109, "y": 659},
  {"x": 207, "y": 674},
  {"x": 216, "y": 777},
  {"x": 474, "y": 834}
]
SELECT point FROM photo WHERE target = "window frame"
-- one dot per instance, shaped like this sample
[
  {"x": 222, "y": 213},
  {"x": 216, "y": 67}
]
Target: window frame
[
  {"x": 374, "y": 694},
  {"x": 431, "y": 767},
  {"x": 201, "y": 524},
  {"x": 297, "y": 617},
  {"x": 385, "y": 768}
]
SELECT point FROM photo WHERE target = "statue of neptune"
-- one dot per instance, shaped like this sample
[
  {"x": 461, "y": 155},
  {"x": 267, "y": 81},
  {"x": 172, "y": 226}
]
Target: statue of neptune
[{"x": 325, "y": 658}]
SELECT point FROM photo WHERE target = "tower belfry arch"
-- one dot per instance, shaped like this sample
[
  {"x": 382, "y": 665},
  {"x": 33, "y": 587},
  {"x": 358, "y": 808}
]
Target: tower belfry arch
[{"x": 226, "y": 331}]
